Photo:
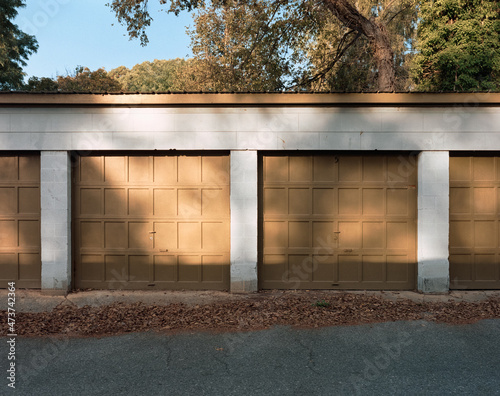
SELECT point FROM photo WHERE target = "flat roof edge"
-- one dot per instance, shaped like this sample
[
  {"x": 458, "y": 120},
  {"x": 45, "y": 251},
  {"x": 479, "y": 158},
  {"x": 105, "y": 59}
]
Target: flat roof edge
[{"x": 249, "y": 99}]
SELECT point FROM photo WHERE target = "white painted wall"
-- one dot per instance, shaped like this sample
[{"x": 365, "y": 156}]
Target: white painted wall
[
  {"x": 244, "y": 221},
  {"x": 433, "y": 221},
  {"x": 55, "y": 186},
  {"x": 254, "y": 128}
]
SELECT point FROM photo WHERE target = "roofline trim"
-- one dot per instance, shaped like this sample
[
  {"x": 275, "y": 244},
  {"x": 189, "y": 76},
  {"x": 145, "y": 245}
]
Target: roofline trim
[{"x": 250, "y": 99}]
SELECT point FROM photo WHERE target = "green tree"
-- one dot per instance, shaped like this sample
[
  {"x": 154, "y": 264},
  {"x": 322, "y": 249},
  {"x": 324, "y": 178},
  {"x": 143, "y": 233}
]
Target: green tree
[
  {"x": 284, "y": 18},
  {"x": 458, "y": 46},
  {"x": 15, "y": 46},
  {"x": 156, "y": 76},
  {"x": 85, "y": 80},
  {"x": 36, "y": 84}
]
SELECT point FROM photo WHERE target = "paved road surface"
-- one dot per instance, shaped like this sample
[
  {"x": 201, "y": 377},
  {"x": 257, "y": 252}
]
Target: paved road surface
[{"x": 403, "y": 358}]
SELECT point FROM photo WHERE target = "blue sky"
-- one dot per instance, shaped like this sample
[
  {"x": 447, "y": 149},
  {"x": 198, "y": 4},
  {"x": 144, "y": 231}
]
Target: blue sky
[{"x": 81, "y": 32}]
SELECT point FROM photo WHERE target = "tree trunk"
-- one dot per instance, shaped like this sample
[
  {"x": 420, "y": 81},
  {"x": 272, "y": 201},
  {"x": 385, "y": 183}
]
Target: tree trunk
[{"x": 377, "y": 36}]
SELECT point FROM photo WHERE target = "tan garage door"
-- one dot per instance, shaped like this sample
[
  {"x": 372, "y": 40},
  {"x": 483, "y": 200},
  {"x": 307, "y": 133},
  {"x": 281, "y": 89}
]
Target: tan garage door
[
  {"x": 474, "y": 222},
  {"x": 338, "y": 222},
  {"x": 20, "y": 221},
  {"x": 152, "y": 222}
]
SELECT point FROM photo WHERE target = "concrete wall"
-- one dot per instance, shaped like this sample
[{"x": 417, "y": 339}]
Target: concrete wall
[
  {"x": 253, "y": 128},
  {"x": 433, "y": 221},
  {"x": 55, "y": 187},
  {"x": 244, "y": 130}
]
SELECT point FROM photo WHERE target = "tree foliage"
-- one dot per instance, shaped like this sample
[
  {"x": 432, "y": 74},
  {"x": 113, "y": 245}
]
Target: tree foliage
[
  {"x": 270, "y": 39},
  {"x": 15, "y": 46},
  {"x": 156, "y": 76},
  {"x": 458, "y": 46},
  {"x": 85, "y": 80}
]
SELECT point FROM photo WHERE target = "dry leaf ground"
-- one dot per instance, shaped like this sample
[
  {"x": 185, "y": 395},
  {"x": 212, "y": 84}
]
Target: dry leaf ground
[{"x": 260, "y": 311}]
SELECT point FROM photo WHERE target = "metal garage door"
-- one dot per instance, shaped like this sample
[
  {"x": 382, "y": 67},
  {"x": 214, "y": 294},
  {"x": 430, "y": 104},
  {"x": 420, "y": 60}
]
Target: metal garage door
[
  {"x": 152, "y": 222},
  {"x": 20, "y": 221},
  {"x": 474, "y": 222},
  {"x": 338, "y": 221}
]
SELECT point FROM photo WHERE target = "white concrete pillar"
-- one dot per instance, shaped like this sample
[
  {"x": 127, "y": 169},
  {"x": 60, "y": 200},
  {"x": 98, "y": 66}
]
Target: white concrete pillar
[
  {"x": 55, "y": 189},
  {"x": 433, "y": 221},
  {"x": 244, "y": 221}
]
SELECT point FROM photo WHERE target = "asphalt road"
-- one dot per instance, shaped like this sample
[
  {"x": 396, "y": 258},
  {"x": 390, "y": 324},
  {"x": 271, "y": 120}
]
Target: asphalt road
[{"x": 402, "y": 358}]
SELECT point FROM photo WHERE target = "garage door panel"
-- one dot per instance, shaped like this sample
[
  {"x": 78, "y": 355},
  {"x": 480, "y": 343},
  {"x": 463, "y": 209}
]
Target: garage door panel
[
  {"x": 8, "y": 200},
  {"x": 189, "y": 170},
  {"x": 373, "y": 201},
  {"x": 189, "y": 268},
  {"x": 29, "y": 233},
  {"x": 398, "y": 269},
  {"x": 324, "y": 168},
  {"x": 350, "y": 234},
  {"x": 189, "y": 202},
  {"x": 323, "y": 234},
  {"x": 139, "y": 201},
  {"x": 484, "y": 169},
  {"x": 323, "y": 201},
  {"x": 92, "y": 267},
  {"x": 214, "y": 202},
  {"x": 138, "y": 267},
  {"x": 276, "y": 169},
  {"x": 474, "y": 222},
  {"x": 460, "y": 200},
  {"x": 349, "y": 201},
  {"x": 91, "y": 234},
  {"x": 115, "y": 235},
  {"x": 165, "y": 202},
  {"x": 323, "y": 268},
  {"x": 115, "y": 169},
  {"x": 299, "y": 234},
  {"x": 373, "y": 268},
  {"x": 276, "y": 201},
  {"x": 374, "y": 169},
  {"x": 461, "y": 234},
  {"x": 397, "y": 235},
  {"x": 165, "y": 170},
  {"x": 116, "y": 268},
  {"x": 212, "y": 268},
  {"x": 139, "y": 169},
  {"x": 275, "y": 267},
  {"x": 363, "y": 223},
  {"x": 189, "y": 235},
  {"x": 8, "y": 233},
  {"x": 373, "y": 235},
  {"x": 165, "y": 268},
  {"x": 484, "y": 234},
  {"x": 165, "y": 237},
  {"x": 20, "y": 241},
  {"x": 397, "y": 201},
  {"x": 484, "y": 200},
  {"x": 299, "y": 201},
  {"x": 300, "y": 169},
  {"x": 159, "y": 213},
  {"x": 486, "y": 267},
  {"x": 461, "y": 268},
  {"x": 349, "y": 268},
  {"x": 90, "y": 201},
  {"x": 8, "y": 267},
  {"x": 9, "y": 169},
  {"x": 350, "y": 169},
  {"x": 115, "y": 201},
  {"x": 460, "y": 169}
]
